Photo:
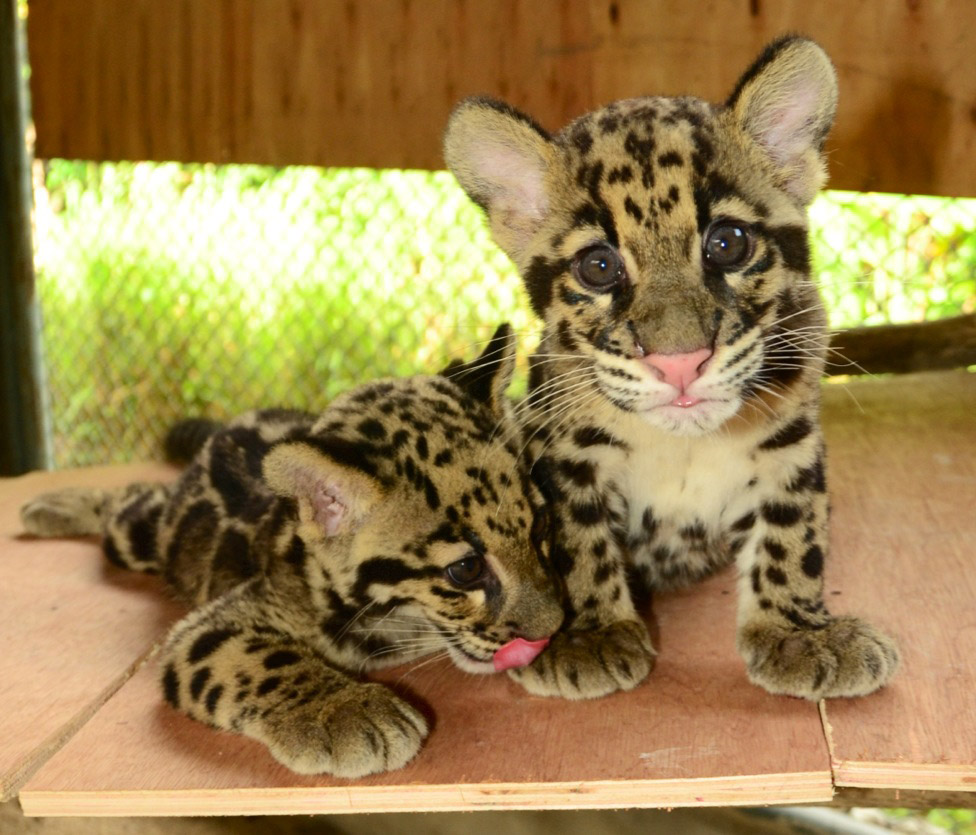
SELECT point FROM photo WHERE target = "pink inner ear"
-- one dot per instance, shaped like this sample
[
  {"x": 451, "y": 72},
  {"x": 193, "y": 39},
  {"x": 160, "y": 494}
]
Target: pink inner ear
[{"x": 327, "y": 510}]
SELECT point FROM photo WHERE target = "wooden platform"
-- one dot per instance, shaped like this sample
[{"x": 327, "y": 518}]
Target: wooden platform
[{"x": 903, "y": 481}]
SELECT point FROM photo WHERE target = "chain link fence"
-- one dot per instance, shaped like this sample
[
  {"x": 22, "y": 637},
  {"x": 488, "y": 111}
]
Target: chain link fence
[{"x": 169, "y": 290}]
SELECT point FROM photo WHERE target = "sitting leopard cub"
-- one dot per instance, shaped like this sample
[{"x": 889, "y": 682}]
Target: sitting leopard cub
[
  {"x": 674, "y": 399},
  {"x": 397, "y": 524}
]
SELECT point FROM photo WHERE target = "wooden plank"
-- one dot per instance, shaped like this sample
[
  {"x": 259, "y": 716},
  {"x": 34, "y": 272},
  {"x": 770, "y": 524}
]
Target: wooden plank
[
  {"x": 332, "y": 82},
  {"x": 685, "y": 738},
  {"x": 74, "y": 628},
  {"x": 903, "y": 470}
]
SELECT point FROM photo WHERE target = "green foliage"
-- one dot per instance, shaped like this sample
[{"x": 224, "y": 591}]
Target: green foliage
[
  {"x": 957, "y": 821},
  {"x": 170, "y": 289},
  {"x": 887, "y": 258}
]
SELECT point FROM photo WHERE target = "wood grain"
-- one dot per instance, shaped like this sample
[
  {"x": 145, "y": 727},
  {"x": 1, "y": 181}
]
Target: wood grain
[
  {"x": 74, "y": 629},
  {"x": 903, "y": 476},
  {"x": 333, "y": 82},
  {"x": 687, "y": 737}
]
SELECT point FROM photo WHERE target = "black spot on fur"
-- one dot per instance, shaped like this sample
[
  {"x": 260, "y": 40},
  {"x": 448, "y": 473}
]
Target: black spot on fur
[
  {"x": 624, "y": 174},
  {"x": 281, "y": 658},
  {"x": 198, "y": 682},
  {"x": 388, "y": 572},
  {"x": 371, "y": 428},
  {"x": 587, "y": 513},
  {"x": 581, "y": 139},
  {"x": 587, "y": 436},
  {"x": 295, "y": 555},
  {"x": 580, "y": 473},
  {"x": 233, "y": 558},
  {"x": 792, "y": 433},
  {"x": 793, "y": 245},
  {"x": 430, "y": 494},
  {"x": 208, "y": 643},
  {"x": 112, "y": 553},
  {"x": 633, "y": 209},
  {"x": 347, "y": 453},
  {"x": 744, "y": 523},
  {"x": 268, "y": 685},
  {"x": 213, "y": 696},
  {"x": 774, "y": 549},
  {"x": 810, "y": 478},
  {"x": 539, "y": 279},
  {"x": 142, "y": 536},
  {"x": 781, "y": 514},
  {"x": 171, "y": 685},
  {"x": 813, "y": 561},
  {"x": 776, "y": 575}
]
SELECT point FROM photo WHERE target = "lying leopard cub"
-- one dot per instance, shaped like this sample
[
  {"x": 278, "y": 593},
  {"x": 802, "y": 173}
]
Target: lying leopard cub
[
  {"x": 675, "y": 397},
  {"x": 397, "y": 524}
]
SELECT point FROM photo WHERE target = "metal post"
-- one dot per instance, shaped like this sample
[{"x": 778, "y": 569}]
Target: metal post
[{"x": 23, "y": 442}]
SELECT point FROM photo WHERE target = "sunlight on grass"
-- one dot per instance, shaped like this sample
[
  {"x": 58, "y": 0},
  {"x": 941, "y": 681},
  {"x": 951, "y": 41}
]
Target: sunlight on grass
[{"x": 169, "y": 289}]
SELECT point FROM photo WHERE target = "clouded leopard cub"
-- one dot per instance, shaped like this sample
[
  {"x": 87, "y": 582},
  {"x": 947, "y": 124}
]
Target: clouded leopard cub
[
  {"x": 675, "y": 395},
  {"x": 399, "y": 523}
]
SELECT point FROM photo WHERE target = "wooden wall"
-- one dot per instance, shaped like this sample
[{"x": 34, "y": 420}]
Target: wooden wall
[{"x": 370, "y": 82}]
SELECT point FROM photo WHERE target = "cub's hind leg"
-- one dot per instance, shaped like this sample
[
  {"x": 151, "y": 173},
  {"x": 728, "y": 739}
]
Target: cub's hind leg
[
  {"x": 238, "y": 665},
  {"x": 73, "y": 511},
  {"x": 128, "y": 519}
]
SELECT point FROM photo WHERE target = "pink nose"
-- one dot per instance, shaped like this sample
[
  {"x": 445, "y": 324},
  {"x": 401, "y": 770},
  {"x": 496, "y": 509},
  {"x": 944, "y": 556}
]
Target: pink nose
[{"x": 680, "y": 370}]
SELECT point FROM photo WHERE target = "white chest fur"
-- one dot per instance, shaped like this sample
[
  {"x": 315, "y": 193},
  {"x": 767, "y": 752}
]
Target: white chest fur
[{"x": 688, "y": 480}]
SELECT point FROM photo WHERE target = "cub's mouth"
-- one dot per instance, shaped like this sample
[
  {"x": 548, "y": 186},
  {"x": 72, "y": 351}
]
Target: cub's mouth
[
  {"x": 468, "y": 661},
  {"x": 516, "y": 653}
]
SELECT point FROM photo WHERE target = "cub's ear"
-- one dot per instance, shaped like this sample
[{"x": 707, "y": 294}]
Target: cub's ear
[
  {"x": 335, "y": 496},
  {"x": 786, "y": 102},
  {"x": 488, "y": 377},
  {"x": 501, "y": 157}
]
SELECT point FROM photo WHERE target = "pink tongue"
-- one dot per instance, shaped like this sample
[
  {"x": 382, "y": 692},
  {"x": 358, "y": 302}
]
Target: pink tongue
[{"x": 518, "y": 653}]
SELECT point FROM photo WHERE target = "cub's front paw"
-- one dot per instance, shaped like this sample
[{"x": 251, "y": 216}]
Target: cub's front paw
[
  {"x": 362, "y": 729},
  {"x": 585, "y": 665},
  {"x": 847, "y": 657}
]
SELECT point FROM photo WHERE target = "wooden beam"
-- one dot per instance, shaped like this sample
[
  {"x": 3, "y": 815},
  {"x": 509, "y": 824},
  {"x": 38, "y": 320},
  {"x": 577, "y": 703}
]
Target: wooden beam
[
  {"x": 334, "y": 82},
  {"x": 899, "y": 349}
]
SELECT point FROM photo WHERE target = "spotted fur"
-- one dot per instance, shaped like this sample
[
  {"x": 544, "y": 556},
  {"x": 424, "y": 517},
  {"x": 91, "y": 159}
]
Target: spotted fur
[
  {"x": 399, "y": 523},
  {"x": 674, "y": 399}
]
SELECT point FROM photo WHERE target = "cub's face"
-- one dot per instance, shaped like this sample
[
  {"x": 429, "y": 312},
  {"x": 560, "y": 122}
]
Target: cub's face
[
  {"x": 664, "y": 241},
  {"x": 474, "y": 570},
  {"x": 416, "y": 503}
]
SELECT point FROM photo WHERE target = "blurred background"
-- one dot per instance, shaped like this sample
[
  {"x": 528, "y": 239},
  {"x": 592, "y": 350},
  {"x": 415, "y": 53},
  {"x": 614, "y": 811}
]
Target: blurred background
[{"x": 173, "y": 289}]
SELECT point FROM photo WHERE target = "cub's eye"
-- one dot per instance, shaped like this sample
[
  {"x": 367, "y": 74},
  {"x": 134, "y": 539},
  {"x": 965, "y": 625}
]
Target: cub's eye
[
  {"x": 727, "y": 244},
  {"x": 599, "y": 267},
  {"x": 467, "y": 571}
]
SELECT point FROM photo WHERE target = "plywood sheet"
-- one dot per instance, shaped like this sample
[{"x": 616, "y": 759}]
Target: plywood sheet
[
  {"x": 903, "y": 475},
  {"x": 333, "y": 82},
  {"x": 73, "y": 627},
  {"x": 697, "y": 733}
]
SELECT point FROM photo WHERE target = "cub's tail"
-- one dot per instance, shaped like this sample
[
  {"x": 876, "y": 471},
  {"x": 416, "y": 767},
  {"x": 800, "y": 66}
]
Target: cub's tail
[
  {"x": 187, "y": 437},
  {"x": 73, "y": 511}
]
